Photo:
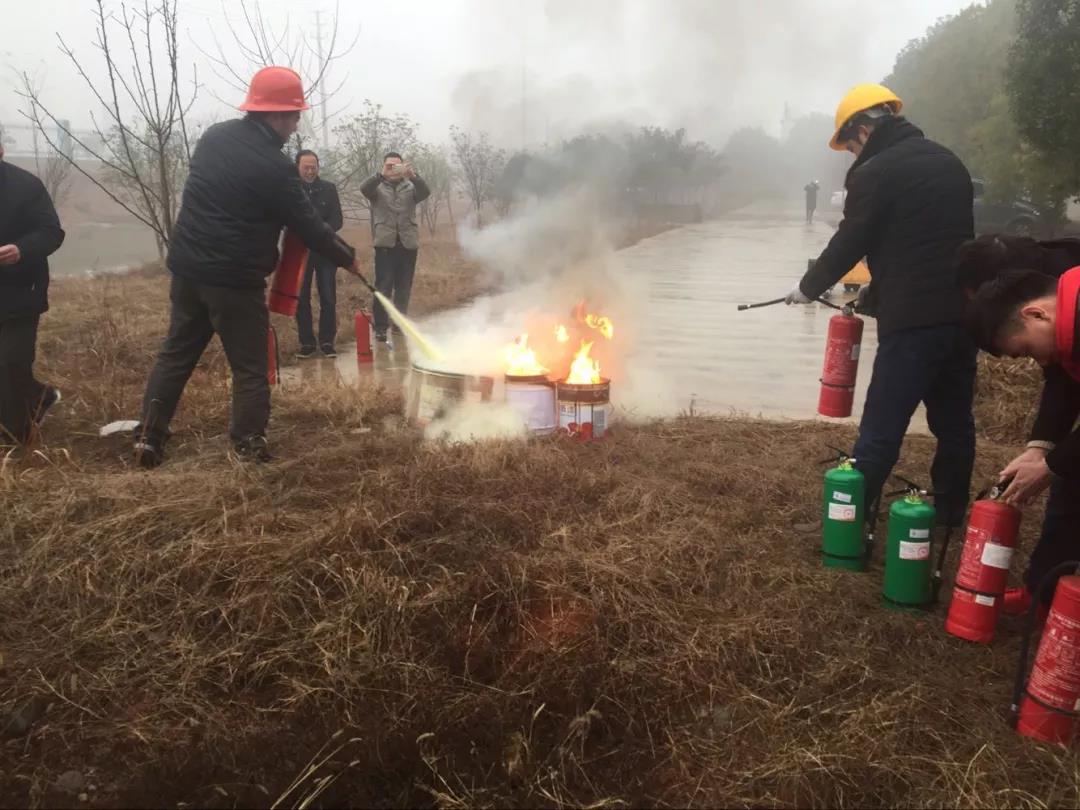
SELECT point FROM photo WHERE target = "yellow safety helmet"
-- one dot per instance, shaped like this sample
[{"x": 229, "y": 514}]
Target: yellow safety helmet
[{"x": 859, "y": 99}]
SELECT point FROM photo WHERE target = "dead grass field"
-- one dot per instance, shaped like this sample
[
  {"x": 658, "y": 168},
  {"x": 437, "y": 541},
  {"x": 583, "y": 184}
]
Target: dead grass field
[{"x": 376, "y": 621}]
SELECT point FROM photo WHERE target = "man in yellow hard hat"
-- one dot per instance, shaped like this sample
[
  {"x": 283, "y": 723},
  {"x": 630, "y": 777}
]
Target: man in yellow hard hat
[{"x": 908, "y": 210}]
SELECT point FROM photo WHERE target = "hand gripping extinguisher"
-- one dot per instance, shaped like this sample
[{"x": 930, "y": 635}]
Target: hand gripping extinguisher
[
  {"x": 989, "y": 542},
  {"x": 289, "y": 275},
  {"x": 907, "y": 550},
  {"x": 842, "y": 516},
  {"x": 842, "y": 348},
  {"x": 1046, "y": 706}
]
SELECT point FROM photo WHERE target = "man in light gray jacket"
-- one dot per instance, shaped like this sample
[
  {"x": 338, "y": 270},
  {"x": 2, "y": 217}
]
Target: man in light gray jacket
[{"x": 394, "y": 194}]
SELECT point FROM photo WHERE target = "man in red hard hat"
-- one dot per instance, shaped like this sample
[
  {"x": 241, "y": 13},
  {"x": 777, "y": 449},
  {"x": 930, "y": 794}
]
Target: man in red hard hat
[{"x": 240, "y": 192}]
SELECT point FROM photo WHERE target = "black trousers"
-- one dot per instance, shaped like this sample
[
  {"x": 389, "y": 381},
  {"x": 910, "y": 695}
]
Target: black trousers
[
  {"x": 324, "y": 274},
  {"x": 1060, "y": 538},
  {"x": 20, "y": 393},
  {"x": 199, "y": 311},
  {"x": 394, "y": 271},
  {"x": 934, "y": 365}
]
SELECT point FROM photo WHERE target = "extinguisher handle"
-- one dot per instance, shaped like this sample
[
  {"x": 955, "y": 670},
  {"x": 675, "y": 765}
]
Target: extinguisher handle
[{"x": 1029, "y": 629}]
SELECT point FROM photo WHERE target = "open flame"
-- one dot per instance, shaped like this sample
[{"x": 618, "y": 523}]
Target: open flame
[
  {"x": 561, "y": 334},
  {"x": 584, "y": 370},
  {"x": 601, "y": 324},
  {"x": 521, "y": 360}
]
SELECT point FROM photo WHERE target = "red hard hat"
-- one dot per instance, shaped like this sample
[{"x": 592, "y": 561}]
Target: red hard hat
[{"x": 275, "y": 89}]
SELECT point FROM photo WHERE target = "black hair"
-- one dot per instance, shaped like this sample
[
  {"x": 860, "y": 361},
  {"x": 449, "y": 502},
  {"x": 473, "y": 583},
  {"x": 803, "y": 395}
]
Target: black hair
[
  {"x": 306, "y": 153},
  {"x": 987, "y": 257},
  {"x": 994, "y": 310},
  {"x": 392, "y": 154}
]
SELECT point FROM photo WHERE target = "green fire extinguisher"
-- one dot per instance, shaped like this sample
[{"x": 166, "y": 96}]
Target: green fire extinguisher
[
  {"x": 908, "y": 566},
  {"x": 842, "y": 518}
]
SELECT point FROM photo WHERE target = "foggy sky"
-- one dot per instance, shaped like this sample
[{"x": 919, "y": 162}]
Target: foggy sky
[{"x": 708, "y": 65}]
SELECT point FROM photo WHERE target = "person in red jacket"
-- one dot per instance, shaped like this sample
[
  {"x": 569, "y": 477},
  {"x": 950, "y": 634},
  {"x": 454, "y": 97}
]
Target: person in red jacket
[{"x": 1027, "y": 313}]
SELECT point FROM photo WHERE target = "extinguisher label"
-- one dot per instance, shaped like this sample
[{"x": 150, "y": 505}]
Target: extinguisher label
[
  {"x": 997, "y": 556},
  {"x": 842, "y": 512},
  {"x": 842, "y": 497},
  {"x": 855, "y": 351},
  {"x": 919, "y": 534},
  {"x": 914, "y": 551},
  {"x": 1055, "y": 677},
  {"x": 982, "y": 599}
]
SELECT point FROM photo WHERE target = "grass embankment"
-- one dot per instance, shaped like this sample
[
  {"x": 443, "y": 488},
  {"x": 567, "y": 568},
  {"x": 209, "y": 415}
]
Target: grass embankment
[{"x": 378, "y": 621}]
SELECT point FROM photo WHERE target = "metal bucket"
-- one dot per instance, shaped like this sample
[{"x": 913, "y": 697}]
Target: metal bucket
[
  {"x": 584, "y": 410},
  {"x": 534, "y": 399},
  {"x": 434, "y": 392}
]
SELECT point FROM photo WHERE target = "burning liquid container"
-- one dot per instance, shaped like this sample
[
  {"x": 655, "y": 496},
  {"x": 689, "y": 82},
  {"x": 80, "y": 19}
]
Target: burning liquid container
[
  {"x": 434, "y": 392},
  {"x": 584, "y": 408},
  {"x": 533, "y": 396}
]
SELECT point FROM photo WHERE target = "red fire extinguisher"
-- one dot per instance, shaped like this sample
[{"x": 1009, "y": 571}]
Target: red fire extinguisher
[
  {"x": 842, "y": 348},
  {"x": 1048, "y": 705},
  {"x": 289, "y": 275},
  {"x": 272, "y": 356},
  {"x": 363, "y": 338},
  {"x": 989, "y": 543}
]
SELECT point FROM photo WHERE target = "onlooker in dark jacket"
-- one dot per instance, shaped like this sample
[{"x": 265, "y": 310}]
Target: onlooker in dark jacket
[
  {"x": 29, "y": 233},
  {"x": 394, "y": 194},
  {"x": 324, "y": 197},
  {"x": 1054, "y": 442},
  {"x": 908, "y": 209},
  {"x": 240, "y": 192}
]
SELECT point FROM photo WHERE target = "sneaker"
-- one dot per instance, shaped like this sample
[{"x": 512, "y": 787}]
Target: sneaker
[
  {"x": 49, "y": 399},
  {"x": 305, "y": 353},
  {"x": 148, "y": 453},
  {"x": 328, "y": 350},
  {"x": 254, "y": 448}
]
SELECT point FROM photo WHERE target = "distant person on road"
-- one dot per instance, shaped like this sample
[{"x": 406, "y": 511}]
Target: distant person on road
[
  {"x": 811, "y": 190},
  {"x": 1054, "y": 437},
  {"x": 240, "y": 191},
  {"x": 394, "y": 194},
  {"x": 324, "y": 197},
  {"x": 30, "y": 232},
  {"x": 908, "y": 209}
]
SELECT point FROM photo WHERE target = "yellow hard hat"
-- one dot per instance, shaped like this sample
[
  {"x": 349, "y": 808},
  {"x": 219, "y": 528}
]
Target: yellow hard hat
[{"x": 859, "y": 98}]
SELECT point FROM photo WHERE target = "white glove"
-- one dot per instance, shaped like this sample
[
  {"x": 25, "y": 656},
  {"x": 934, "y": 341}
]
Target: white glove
[{"x": 796, "y": 297}]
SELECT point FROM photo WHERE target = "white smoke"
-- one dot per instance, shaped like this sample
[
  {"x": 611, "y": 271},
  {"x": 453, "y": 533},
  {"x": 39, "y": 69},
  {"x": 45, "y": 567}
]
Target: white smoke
[{"x": 478, "y": 421}]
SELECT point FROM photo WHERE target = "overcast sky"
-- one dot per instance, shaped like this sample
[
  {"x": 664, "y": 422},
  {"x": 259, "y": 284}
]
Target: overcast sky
[{"x": 709, "y": 65}]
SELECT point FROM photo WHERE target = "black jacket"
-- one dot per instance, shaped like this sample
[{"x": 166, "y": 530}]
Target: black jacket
[
  {"x": 28, "y": 220},
  {"x": 909, "y": 207},
  {"x": 324, "y": 196},
  {"x": 239, "y": 194}
]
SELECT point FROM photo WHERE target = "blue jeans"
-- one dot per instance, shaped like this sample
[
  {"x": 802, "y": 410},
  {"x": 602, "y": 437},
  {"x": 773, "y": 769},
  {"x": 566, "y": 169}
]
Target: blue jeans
[
  {"x": 934, "y": 365},
  {"x": 1060, "y": 538},
  {"x": 325, "y": 275}
]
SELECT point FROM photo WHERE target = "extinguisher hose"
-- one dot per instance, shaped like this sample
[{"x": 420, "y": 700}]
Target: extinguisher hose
[
  {"x": 937, "y": 579},
  {"x": 744, "y": 307},
  {"x": 1020, "y": 684},
  {"x": 277, "y": 357}
]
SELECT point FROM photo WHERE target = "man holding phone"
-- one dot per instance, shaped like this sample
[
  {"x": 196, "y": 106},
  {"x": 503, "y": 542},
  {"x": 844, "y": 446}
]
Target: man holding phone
[{"x": 394, "y": 194}]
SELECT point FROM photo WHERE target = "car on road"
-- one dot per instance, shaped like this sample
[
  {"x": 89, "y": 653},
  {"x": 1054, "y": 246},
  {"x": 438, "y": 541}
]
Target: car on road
[{"x": 1015, "y": 217}]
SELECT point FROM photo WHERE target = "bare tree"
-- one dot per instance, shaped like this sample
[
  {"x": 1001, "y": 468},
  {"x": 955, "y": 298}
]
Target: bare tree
[
  {"x": 52, "y": 167},
  {"x": 480, "y": 164},
  {"x": 434, "y": 166},
  {"x": 143, "y": 140},
  {"x": 254, "y": 43}
]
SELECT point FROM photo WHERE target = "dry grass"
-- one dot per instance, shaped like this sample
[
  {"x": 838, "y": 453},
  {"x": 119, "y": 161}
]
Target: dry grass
[{"x": 377, "y": 621}]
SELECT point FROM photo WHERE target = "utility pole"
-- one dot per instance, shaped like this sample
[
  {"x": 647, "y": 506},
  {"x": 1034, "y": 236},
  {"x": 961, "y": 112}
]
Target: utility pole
[{"x": 322, "y": 84}]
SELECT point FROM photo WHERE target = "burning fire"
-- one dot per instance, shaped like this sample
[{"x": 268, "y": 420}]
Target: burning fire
[
  {"x": 561, "y": 334},
  {"x": 521, "y": 360},
  {"x": 584, "y": 370},
  {"x": 600, "y": 323}
]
